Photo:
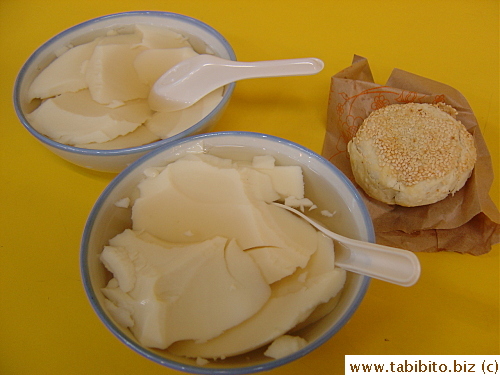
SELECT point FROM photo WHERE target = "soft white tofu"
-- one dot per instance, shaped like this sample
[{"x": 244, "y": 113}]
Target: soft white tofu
[
  {"x": 168, "y": 124},
  {"x": 151, "y": 64},
  {"x": 292, "y": 300},
  {"x": 74, "y": 118},
  {"x": 190, "y": 292},
  {"x": 64, "y": 74},
  {"x": 111, "y": 74}
]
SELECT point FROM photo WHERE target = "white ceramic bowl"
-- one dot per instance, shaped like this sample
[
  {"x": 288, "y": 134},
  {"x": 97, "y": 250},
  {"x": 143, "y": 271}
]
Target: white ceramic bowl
[
  {"x": 202, "y": 37},
  {"x": 324, "y": 183}
]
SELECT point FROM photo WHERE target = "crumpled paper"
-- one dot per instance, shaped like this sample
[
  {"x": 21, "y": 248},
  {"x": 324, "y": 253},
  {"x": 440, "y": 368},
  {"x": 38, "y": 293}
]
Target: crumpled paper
[{"x": 466, "y": 222}]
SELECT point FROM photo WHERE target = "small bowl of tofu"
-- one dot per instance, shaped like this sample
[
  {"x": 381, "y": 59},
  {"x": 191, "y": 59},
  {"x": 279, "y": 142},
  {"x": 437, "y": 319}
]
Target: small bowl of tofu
[
  {"x": 187, "y": 260},
  {"x": 84, "y": 93}
]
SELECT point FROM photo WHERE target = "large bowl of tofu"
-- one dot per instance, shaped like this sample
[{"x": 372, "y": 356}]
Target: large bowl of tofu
[
  {"x": 84, "y": 93},
  {"x": 187, "y": 260}
]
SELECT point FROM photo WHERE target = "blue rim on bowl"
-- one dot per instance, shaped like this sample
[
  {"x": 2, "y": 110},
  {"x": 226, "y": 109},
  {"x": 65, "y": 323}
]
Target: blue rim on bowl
[
  {"x": 302, "y": 152},
  {"x": 132, "y": 150}
]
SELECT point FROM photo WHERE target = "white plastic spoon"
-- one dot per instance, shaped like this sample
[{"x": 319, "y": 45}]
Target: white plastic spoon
[
  {"x": 385, "y": 263},
  {"x": 192, "y": 79}
]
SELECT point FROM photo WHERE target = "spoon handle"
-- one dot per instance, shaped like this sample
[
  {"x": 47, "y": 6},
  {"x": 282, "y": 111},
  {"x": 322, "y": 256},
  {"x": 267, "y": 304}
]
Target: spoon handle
[
  {"x": 390, "y": 264},
  {"x": 193, "y": 78},
  {"x": 274, "y": 68}
]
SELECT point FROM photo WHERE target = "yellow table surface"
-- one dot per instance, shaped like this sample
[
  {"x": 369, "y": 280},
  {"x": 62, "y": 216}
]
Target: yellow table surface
[{"x": 47, "y": 325}]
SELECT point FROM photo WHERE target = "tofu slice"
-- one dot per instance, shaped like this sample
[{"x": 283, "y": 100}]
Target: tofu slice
[
  {"x": 291, "y": 301},
  {"x": 111, "y": 74},
  {"x": 168, "y": 124},
  {"x": 192, "y": 195},
  {"x": 65, "y": 74},
  {"x": 190, "y": 292},
  {"x": 151, "y": 64},
  {"x": 74, "y": 118},
  {"x": 287, "y": 180},
  {"x": 158, "y": 37}
]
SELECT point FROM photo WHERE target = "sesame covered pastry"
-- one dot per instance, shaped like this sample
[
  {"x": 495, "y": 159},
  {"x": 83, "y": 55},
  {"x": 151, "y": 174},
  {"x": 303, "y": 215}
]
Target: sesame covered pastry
[{"x": 412, "y": 154}]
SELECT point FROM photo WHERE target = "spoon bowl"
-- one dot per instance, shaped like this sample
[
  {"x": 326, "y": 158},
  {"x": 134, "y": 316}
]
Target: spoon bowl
[{"x": 192, "y": 79}]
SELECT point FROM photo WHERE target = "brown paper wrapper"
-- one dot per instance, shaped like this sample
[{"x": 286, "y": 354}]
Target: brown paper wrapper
[{"x": 466, "y": 222}]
